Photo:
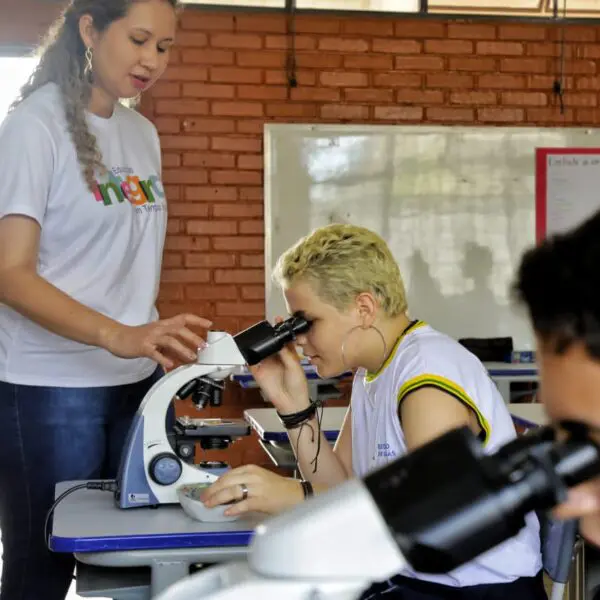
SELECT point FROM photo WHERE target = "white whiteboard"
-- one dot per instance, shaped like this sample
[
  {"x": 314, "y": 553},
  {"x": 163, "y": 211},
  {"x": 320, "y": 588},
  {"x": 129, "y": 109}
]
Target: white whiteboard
[{"x": 455, "y": 204}]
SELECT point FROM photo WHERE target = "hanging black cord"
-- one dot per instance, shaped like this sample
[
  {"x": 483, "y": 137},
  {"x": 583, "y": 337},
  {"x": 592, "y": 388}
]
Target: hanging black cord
[
  {"x": 558, "y": 87},
  {"x": 315, "y": 460},
  {"x": 290, "y": 67},
  {"x": 300, "y": 420}
]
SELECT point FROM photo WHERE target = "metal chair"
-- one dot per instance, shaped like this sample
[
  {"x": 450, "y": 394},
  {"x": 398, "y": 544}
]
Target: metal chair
[{"x": 559, "y": 543}]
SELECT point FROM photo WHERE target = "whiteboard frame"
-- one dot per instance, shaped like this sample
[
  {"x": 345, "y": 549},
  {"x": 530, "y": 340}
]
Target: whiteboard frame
[{"x": 555, "y": 137}]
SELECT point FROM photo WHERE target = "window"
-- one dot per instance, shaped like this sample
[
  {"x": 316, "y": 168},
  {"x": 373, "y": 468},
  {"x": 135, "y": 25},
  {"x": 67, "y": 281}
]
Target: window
[
  {"x": 368, "y": 5},
  {"x": 365, "y": 5},
  {"x": 523, "y": 8},
  {"x": 14, "y": 72}
]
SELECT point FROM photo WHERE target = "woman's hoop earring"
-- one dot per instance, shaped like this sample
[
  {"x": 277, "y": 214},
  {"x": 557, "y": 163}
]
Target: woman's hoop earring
[
  {"x": 89, "y": 55},
  {"x": 347, "y": 335}
]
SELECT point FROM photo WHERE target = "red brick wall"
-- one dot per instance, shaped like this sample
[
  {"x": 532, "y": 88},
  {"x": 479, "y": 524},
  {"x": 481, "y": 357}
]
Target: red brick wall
[{"x": 227, "y": 79}]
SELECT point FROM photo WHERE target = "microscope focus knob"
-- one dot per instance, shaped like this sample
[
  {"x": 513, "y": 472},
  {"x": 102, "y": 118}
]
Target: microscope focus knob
[{"x": 165, "y": 468}]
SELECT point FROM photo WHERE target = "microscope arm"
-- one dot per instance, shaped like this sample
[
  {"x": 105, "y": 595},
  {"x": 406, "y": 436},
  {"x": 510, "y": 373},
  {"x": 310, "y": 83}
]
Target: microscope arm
[
  {"x": 160, "y": 396},
  {"x": 150, "y": 472}
]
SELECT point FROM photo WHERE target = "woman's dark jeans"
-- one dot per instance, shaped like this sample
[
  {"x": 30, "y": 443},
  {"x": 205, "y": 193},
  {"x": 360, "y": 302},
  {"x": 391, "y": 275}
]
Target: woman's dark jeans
[{"x": 47, "y": 435}]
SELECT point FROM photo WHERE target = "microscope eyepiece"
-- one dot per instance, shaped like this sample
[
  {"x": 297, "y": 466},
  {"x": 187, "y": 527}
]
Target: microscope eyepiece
[
  {"x": 263, "y": 339},
  {"x": 448, "y": 502},
  {"x": 291, "y": 327}
]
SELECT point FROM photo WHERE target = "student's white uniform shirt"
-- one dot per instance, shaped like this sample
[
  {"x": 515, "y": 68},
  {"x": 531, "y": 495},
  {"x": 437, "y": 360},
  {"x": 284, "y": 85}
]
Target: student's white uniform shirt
[
  {"x": 102, "y": 248},
  {"x": 424, "y": 357}
]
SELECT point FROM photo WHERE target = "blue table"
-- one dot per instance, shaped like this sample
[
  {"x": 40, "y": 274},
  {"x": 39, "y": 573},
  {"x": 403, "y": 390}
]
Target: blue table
[
  {"x": 528, "y": 415},
  {"x": 267, "y": 425},
  {"x": 245, "y": 378},
  {"x": 497, "y": 370},
  {"x": 318, "y": 388},
  {"x": 274, "y": 440},
  {"x": 503, "y": 374},
  {"x": 88, "y": 524}
]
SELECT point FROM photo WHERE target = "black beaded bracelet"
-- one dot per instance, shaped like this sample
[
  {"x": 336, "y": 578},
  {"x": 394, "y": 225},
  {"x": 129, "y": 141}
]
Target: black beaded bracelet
[
  {"x": 294, "y": 420},
  {"x": 307, "y": 488}
]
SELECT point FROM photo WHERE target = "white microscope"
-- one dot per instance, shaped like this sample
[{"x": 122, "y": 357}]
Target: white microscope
[
  {"x": 333, "y": 546},
  {"x": 151, "y": 470}
]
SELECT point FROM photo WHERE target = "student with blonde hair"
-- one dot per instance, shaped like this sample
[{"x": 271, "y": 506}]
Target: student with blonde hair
[{"x": 412, "y": 383}]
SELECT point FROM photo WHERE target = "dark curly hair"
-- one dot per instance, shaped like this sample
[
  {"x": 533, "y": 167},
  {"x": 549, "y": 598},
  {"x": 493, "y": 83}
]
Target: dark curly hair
[{"x": 559, "y": 283}]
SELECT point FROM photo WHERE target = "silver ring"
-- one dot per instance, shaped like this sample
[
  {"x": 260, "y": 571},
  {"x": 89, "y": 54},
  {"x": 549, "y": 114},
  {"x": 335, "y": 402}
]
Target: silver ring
[{"x": 244, "y": 491}]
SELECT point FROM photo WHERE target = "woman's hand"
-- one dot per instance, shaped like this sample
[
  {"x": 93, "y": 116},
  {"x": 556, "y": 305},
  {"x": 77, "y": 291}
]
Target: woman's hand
[
  {"x": 162, "y": 341},
  {"x": 267, "y": 492}
]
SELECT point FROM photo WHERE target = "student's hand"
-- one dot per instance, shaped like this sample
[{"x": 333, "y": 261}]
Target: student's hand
[
  {"x": 164, "y": 341},
  {"x": 283, "y": 381},
  {"x": 267, "y": 492}
]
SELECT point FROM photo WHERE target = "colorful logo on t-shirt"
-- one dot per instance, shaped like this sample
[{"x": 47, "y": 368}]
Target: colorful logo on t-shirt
[{"x": 123, "y": 185}]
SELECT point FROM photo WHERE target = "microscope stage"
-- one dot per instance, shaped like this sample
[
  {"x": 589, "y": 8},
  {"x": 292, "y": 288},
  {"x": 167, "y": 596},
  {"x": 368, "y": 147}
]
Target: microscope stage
[{"x": 199, "y": 428}]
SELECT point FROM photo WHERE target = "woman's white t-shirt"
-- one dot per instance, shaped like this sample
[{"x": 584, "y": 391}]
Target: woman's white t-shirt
[{"x": 103, "y": 249}]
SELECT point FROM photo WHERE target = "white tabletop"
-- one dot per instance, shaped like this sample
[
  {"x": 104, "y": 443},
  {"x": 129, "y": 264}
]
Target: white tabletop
[{"x": 532, "y": 413}]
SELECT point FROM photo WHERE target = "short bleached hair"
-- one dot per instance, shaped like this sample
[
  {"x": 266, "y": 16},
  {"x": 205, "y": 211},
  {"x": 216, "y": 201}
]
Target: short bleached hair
[{"x": 342, "y": 261}]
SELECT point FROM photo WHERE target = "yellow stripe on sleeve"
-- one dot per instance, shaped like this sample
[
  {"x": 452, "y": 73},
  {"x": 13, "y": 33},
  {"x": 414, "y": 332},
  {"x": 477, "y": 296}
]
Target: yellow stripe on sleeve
[
  {"x": 416, "y": 325},
  {"x": 448, "y": 386}
]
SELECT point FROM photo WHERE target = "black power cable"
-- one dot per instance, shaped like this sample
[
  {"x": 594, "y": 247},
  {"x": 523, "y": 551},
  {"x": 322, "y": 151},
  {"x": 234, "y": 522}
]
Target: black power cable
[{"x": 109, "y": 485}]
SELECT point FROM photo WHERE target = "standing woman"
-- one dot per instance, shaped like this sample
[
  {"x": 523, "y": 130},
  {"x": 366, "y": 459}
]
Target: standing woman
[{"x": 82, "y": 227}]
